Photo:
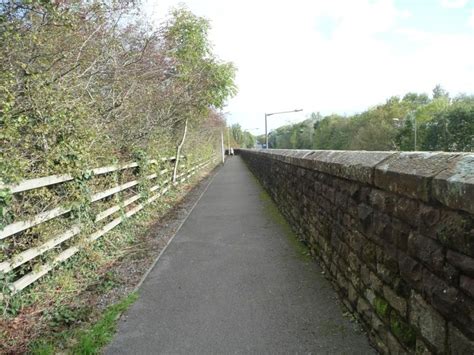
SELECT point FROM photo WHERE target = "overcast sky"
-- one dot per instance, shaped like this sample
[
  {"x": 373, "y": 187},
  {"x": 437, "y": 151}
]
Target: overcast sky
[{"x": 334, "y": 56}]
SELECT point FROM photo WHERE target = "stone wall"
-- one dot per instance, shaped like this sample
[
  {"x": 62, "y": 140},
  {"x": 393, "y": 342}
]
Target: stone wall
[{"x": 394, "y": 232}]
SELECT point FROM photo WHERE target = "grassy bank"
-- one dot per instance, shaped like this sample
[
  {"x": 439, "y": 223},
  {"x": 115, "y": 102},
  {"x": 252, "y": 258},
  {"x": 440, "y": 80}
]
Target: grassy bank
[
  {"x": 74, "y": 305},
  {"x": 87, "y": 340}
]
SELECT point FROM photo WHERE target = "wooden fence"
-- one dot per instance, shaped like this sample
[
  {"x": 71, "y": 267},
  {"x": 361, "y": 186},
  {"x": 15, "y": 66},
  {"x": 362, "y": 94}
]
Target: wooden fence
[{"x": 128, "y": 206}]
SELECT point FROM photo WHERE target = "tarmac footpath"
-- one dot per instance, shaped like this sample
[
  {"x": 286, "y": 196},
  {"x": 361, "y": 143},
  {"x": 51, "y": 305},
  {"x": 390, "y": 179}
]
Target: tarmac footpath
[{"x": 233, "y": 282}]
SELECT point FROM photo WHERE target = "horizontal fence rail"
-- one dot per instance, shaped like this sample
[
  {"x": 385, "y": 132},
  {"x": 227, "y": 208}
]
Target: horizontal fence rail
[
  {"x": 57, "y": 179},
  {"x": 154, "y": 191}
]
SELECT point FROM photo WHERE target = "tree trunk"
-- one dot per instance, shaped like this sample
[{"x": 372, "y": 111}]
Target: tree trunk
[{"x": 178, "y": 151}]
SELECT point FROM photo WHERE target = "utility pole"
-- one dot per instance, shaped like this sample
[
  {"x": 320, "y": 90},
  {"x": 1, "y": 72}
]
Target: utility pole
[{"x": 270, "y": 114}]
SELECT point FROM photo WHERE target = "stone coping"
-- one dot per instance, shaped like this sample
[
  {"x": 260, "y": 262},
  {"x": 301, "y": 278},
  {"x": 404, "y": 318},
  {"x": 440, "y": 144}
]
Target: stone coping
[{"x": 447, "y": 178}]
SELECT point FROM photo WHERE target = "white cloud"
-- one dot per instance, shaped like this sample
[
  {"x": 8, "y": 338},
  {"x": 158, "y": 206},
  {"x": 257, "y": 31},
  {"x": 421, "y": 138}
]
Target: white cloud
[
  {"x": 454, "y": 4},
  {"x": 286, "y": 60}
]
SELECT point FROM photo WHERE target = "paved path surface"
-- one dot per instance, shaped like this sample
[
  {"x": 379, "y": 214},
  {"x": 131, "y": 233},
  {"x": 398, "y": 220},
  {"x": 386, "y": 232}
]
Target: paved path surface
[{"x": 231, "y": 282}]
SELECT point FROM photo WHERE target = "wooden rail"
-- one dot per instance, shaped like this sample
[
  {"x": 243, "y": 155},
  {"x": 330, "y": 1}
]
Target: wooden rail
[{"x": 55, "y": 241}]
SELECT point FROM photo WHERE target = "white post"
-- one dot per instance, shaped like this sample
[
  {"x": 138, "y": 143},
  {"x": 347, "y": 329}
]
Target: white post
[
  {"x": 266, "y": 133},
  {"x": 222, "y": 147},
  {"x": 178, "y": 150},
  {"x": 228, "y": 139}
]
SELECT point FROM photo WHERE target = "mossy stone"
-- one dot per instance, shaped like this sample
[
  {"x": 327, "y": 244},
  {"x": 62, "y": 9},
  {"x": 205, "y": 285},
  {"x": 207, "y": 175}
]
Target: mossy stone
[
  {"x": 381, "y": 307},
  {"x": 402, "y": 330}
]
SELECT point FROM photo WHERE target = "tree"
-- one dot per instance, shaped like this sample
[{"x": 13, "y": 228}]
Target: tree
[
  {"x": 441, "y": 124},
  {"x": 249, "y": 140},
  {"x": 80, "y": 87},
  {"x": 415, "y": 100},
  {"x": 452, "y": 129},
  {"x": 206, "y": 83},
  {"x": 439, "y": 92},
  {"x": 237, "y": 134},
  {"x": 332, "y": 132}
]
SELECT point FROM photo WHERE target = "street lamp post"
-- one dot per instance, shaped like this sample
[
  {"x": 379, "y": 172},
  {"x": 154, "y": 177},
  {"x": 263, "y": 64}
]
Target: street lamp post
[{"x": 271, "y": 114}]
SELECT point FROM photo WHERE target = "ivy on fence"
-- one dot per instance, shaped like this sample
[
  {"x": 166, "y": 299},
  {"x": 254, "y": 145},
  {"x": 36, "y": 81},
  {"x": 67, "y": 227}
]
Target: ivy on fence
[{"x": 87, "y": 207}]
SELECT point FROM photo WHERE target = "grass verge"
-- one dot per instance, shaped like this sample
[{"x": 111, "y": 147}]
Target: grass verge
[{"x": 88, "y": 340}]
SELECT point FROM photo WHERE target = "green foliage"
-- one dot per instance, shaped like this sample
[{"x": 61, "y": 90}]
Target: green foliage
[
  {"x": 332, "y": 132},
  {"x": 87, "y": 84},
  {"x": 402, "y": 330},
  {"x": 451, "y": 129},
  {"x": 112, "y": 88},
  {"x": 66, "y": 316},
  {"x": 109, "y": 282},
  {"x": 220, "y": 83},
  {"x": 381, "y": 307},
  {"x": 89, "y": 340},
  {"x": 92, "y": 340},
  {"x": 298, "y": 136},
  {"x": 80, "y": 88},
  {"x": 42, "y": 348},
  {"x": 80, "y": 275},
  {"x": 210, "y": 81},
  {"x": 241, "y": 138},
  {"x": 441, "y": 124},
  {"x": 439, "y": 92},
  {"x": 187, "y": 39},
  {"x": 5, "y": 213}
]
